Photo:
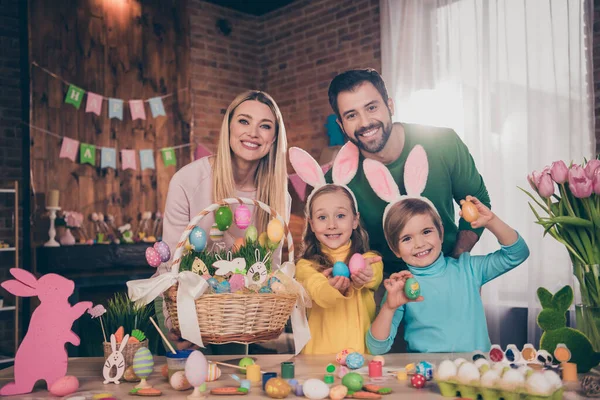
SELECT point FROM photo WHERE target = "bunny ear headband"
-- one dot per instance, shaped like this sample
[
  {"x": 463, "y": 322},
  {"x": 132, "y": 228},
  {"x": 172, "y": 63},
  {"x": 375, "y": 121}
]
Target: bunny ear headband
[
  {"x": 344, "y": 169},
  {"x": 416, "y": 170}
]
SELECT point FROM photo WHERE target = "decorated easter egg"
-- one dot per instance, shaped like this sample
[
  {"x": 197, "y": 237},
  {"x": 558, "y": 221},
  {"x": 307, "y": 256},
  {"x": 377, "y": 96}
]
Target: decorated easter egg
[
  {"x": 242, "y": 216},
  {"x": 236, "y": 282},
  {"x": 178, "y": 381},
  {"x": 143, "y": 362},
  {"x": 238, "y": 244},
  {"x": 214, "y": 373},
  {"x": 355, "y": 360},
  {"x": 152, "y": 257},
  {"x": 244, "y": 362},
  {"x": 163, "y": 251},
  {"x": 197, "y": 239},
  {"x": 215, "y": 233},
  {"x": 342, "y": 371},
  {"x": 341, "y": 356},
  {"x": 265, "y": 289},
  {"x": 251, "y": 233},
  {"x": 379, "y": 359},
  {"x": 213, "y": 283},
  {"x": 338, "y": 392},
  {"x": 196, "y": 368},
  {"x": 353, "y": 381},
  {"x": 66, "y": 385},
  {"x": 315, "y": 389},
  {"x": 426, "y": 369},
  {"x": 417, "y": 381},
  {"x": 223, "y": 218},
  {"x": 277, "y": 388},
  {"x": 412, "y": 289},
  {"x": 340, "y": 269},
  {"x": 356, "y": 263},
  {"x": 275, "y": 230},
  {"x": 223, "y": 287},
  {"x": 129, "y": 375},
  {"x": 469, "y": 211}
]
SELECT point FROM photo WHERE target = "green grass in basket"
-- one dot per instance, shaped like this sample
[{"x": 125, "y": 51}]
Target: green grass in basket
[
  {"x": 123, "y": 312},
  {"x": 247, "y": 252}
]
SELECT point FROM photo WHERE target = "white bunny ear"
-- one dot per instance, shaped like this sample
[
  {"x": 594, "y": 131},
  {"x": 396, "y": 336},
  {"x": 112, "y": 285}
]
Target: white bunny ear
[
  {"x": 257, "y": 255},
  {"x": 416, "y": 171},
  {"x": 345, "y": 164},
  {"x": 306, "y": 167},
  {"x": 381, "y": 180},
  {"x": 113, "y": 342},
  {"x": 123, "y": 343}
]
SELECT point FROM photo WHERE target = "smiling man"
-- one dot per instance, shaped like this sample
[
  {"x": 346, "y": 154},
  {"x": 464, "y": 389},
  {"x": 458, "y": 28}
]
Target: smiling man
[{"x": 364, "y": 111}]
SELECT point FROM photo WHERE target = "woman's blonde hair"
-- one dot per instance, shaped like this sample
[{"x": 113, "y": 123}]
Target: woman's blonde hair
[
  {"x": 402, "y": 212},
  {"x": 311, "y": 247},
  {"x": 271, "y": 179}
]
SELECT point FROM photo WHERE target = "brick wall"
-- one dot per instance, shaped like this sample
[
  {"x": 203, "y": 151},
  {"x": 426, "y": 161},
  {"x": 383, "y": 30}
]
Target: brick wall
[{"x": 596, "y": 65}]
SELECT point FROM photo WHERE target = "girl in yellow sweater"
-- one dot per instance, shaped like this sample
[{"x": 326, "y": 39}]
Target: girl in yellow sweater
[{"x": 343, "y": 307}]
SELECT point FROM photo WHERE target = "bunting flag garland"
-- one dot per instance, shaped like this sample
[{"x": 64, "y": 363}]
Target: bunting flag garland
[
  {"x": 108, "y": 155},
  {"x": 94, "y": 101}
]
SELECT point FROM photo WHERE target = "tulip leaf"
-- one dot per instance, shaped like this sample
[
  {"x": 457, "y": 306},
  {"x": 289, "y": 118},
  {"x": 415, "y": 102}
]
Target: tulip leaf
[
  {"x": 542, "y": 206},
  {"x": 575, "y": 221}
]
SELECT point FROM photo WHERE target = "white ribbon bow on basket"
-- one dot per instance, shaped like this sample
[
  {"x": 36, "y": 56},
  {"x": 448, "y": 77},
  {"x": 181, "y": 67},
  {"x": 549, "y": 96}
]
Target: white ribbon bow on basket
[{"x": 191, "y": 287}]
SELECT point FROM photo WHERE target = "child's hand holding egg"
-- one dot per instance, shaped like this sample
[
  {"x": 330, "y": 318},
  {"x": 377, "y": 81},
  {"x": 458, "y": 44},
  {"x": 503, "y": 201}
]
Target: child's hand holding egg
[
  {"x": 475, "y": 212},
  {"x": 361, "y": 269},
  {"x": 340, "y": 282},
  {"x": 395, "y": 286}
]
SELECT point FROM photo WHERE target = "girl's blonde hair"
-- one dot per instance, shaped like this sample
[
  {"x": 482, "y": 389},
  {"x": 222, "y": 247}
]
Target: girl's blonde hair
[
  {"x": 271, "y": 179},
  {"x": 402, "y": 212},
  {"x": 311, "y": 247}
]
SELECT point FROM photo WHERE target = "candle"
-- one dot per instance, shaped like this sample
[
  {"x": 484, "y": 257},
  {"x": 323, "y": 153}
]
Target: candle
[{"x": 53, "y": 196}]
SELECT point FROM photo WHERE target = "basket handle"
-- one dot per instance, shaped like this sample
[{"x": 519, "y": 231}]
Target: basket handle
[{"x": 177, "y": 256}]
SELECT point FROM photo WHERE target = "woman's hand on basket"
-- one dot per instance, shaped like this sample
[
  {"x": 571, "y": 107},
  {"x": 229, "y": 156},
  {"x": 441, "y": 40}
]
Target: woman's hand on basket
[
  {"x": 341, "y": 283},
  {"x": 180, "y": 343}
]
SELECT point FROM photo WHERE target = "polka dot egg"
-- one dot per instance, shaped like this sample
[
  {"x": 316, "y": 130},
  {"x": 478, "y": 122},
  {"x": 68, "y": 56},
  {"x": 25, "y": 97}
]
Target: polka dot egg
[
  {"x": 178, "y": 381},
  {"x": 242, "y": 216},
  {"x": 341, "y": 356},
  {"x": 152, "y": 257},
  {"x": 143, "y": 362},
  {"x": 163, "y": 251}
]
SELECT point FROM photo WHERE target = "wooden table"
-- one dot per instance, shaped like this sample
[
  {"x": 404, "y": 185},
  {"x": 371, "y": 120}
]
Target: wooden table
[{"x": 89, "y": 373}]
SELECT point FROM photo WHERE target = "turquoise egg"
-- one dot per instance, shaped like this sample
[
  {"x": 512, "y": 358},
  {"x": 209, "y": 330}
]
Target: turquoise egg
[
  {"x": 198, "y": 238},
  {"x": 412, "y": 289},
  {"x": 355, "y": 360},
  {"x": 223, "y": 287},
  {"x": 143, "y": 363},
  {"x": 340, "y": 269}
]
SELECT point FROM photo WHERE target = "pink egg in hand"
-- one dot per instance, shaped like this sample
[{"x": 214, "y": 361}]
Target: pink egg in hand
[
  {"x": 64, "y": 386},
  {"x": 152, "y": 257},
  {"x": 242, "y": 216},
  {"x": 163, "y": 251},
  {"x": 356, "y": 263}
]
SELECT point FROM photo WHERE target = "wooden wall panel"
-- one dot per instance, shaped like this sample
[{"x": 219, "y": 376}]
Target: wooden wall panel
[{"x": 126, "y": 49}]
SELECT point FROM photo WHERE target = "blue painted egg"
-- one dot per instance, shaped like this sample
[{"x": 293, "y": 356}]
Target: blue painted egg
[
  {"x": 143, "y": 363},
  {"x": 213, "y": 283},
  {"x": 265, "y": 289},
  {"x": 355, "y": 360},
  {"x": 273, "y": 280},
  {"x": 340, "y": 269},
  {"x": 198, "y": 239},
  {"x": 223, "y": 287}
]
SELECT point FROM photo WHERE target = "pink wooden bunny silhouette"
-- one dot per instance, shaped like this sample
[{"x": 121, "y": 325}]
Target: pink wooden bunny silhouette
[
  {"x": 344, "y": 168},
  {"x": 42, "y": 354}
]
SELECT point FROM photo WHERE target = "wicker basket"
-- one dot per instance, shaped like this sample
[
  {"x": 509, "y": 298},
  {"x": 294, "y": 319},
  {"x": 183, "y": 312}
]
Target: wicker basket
[
  {"x": 128, "y": 351},
  {"x": 235, "y": 318}
]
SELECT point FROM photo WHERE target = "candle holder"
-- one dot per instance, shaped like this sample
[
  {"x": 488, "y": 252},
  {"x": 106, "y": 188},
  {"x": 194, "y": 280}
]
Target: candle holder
[{"x": 52, "y": 230}]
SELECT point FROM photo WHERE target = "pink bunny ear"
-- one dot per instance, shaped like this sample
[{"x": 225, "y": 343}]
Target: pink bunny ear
[
  {"x": 345, "y": 164},
  {"x": 381, "y": 180},
  {"x": 19, "y": 289},
  {"x": 24, "y": 276},
  {"x": 416, "y": 170},
  {"x": 306, "y": 167}
]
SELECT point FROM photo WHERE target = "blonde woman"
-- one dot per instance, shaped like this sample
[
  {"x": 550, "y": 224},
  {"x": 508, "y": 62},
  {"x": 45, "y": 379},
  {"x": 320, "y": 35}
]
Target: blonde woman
[{"x": 250, "y": 162}]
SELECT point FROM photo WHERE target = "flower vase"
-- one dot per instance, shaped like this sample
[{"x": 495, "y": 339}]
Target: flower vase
[
  {"x": 67, "y": 238},
  {"x": 587, "y": 311}
]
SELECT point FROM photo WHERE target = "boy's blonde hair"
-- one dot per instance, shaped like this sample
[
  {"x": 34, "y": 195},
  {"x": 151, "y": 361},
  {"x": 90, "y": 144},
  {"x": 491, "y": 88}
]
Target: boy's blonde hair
[
  {"x": 311, "y": 247},
  {"x": 403, "y": 211},
  {"x": 271, "y": 177}
]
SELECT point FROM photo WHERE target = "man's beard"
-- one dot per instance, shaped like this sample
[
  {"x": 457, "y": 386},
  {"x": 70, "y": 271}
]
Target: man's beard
[{"x": 375, "y": 146}]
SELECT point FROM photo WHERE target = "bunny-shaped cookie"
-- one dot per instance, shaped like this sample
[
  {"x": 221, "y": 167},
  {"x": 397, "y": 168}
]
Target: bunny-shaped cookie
[
  {"x": 115, "y": 359},
  {"x": 42, "y": 354},
  {"x": 260, "y": 268},
  {"x": 416, "y": 170},
  {"x": 344, "y": 168}
]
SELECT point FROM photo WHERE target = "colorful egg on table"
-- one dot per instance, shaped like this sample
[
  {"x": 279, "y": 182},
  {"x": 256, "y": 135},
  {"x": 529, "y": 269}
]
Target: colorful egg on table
[
  {"x": 412, "y": 289},
  {"x": 275, "y": 230},
  {"x": 417, "y": 381},
  {"x": 426, "y": 369},
  {"x": 277, "y": 388},
  {"x": 152, "y": 257},
  {"x": 355, "y": 360},
  {"x": 251, "y": 233},
  {"x": 143, "y": 363},
  {"x": 215, "y": 233},
  {"x": 338, "y": 392},
  {"x": 357, "y": 263},
  {"x": 340, "y": 269},
  {"x": 223, "y": 218},
  {"x": 196, "y": 368},
  {"x": 178, "y": 381},
  {"x": 242, "y": 216},
  {"x": 353, "y": 381},
  {"x": 315, "y": 389},
  {"x": 64, "y": 386},
  {"x": 341, "y": 356},
  {"x": 163, "y": 251},
  {"x": 214, "y": 373},
  {"x": 197, "y": 239}
]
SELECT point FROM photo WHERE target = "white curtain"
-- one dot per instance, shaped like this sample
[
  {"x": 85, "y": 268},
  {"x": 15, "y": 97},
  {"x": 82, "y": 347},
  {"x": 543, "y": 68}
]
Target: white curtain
[{"x": 513, "y": 78}]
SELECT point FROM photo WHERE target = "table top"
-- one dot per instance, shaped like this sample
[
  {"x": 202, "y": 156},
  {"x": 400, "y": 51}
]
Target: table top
[{"x": 89, "y": 373}]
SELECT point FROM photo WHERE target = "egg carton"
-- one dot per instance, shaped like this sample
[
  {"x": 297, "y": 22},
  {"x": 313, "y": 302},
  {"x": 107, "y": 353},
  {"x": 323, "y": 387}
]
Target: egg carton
[{"x": 455, "y": 389}]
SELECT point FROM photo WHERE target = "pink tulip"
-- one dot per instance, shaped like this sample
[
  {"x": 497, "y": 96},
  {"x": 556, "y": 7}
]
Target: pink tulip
[
  {"x": 545, "y": 185},
  {"x": 579, "y": 183},
  {"x": 591, "y": 167},
  {"x": 559, "y": 172},
  {"x": 596, "y": 182},
  {"x": 531, "y": 181}
]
